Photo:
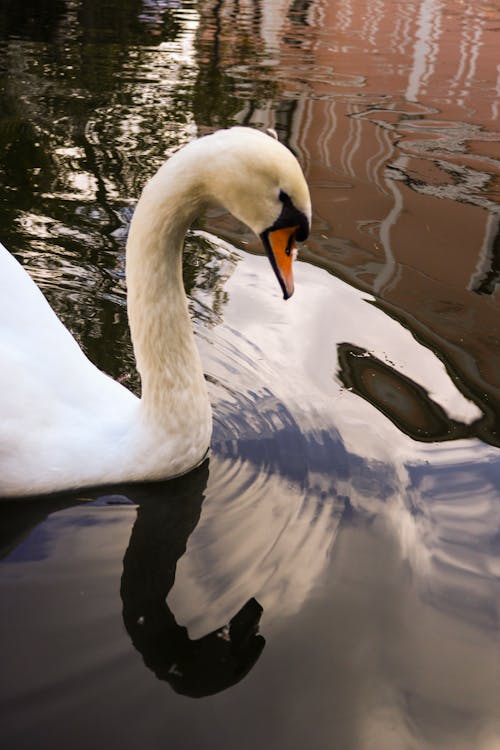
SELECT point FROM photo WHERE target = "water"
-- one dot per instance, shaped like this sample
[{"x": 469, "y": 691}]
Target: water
[{"x": 329, "y": 577}]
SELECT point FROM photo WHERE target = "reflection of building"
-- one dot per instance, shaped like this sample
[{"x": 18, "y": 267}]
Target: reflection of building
[{"x": 392, "y": 110}]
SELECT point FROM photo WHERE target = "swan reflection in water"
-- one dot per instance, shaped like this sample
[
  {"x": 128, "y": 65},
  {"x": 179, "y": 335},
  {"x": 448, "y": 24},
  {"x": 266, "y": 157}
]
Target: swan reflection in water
[
  {"x": 167, "y": 513},
  {"x": 198, "y": 667}
]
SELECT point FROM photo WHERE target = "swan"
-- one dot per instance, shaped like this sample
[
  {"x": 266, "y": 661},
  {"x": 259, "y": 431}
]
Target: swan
[{"x": 64, "y": 424}]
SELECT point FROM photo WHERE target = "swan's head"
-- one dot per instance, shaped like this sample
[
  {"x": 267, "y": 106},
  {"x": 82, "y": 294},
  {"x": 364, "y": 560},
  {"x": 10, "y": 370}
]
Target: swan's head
[{"x": 260, "y": 182}]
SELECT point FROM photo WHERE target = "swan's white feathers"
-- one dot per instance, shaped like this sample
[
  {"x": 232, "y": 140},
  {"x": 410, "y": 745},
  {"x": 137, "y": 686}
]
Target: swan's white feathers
[
  {"x": 65, "y": 424},
  {"x": 54, "y": 403}
]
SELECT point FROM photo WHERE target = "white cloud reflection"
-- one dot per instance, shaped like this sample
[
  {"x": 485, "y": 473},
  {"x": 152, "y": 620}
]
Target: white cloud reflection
[{"x": 271, "y": 535}]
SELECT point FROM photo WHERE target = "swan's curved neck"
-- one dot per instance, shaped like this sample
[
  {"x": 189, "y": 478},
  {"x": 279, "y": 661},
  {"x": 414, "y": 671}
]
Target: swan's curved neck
[{"x": 173, "y": 385}]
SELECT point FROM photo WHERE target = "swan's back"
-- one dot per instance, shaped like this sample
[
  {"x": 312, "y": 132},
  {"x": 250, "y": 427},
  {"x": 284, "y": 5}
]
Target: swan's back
[
  {"x": 31, "y": 333},
  {"x": 45, "y": 380}
]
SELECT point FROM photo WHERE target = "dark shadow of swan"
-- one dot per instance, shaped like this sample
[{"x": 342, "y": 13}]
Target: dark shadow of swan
[
  {"x": 158, "y": 540},
  {"x": 167, "y": 514}
]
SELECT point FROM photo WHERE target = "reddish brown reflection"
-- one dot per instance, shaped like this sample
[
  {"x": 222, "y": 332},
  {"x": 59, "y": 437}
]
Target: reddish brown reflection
[{"x": 393, "y": 109}]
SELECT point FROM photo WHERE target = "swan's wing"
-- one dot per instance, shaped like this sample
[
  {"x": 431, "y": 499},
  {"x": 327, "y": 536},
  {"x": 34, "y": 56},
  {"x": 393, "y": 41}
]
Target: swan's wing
[
  {"x": 51, "y": 395},
  {"x": 33, "y": 338},
  {"x": 29, "y": 326}
]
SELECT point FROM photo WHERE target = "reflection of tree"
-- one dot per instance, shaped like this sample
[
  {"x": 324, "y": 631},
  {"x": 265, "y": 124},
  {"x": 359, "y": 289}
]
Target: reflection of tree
[
  {"x": 125, "y": 22},
  {"x": 227, "y": 41},
  {"x": 33, "y": 19},
  {"x": 78, "y": 92},
  {"x": 64, "y": 110}
]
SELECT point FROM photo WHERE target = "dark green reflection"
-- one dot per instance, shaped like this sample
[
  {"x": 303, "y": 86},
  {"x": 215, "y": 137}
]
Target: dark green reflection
[{"x": 227, "y": 49}]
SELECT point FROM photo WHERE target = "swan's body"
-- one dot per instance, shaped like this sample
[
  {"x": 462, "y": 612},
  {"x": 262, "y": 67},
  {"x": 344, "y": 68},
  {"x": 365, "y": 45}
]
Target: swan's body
[{"x": 65, "y": 424}]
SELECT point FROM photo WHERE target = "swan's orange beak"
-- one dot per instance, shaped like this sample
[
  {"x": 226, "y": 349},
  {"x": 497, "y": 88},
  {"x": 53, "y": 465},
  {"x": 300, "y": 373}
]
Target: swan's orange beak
[{"x": 280, "y": 247}]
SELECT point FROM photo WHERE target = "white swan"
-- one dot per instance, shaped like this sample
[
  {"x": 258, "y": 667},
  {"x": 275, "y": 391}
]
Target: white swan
[{"x": 65, "y": 424}]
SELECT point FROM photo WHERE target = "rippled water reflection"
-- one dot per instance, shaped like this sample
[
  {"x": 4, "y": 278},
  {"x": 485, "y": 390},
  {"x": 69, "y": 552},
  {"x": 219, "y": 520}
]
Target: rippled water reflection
[{"x": 330, "y": 575}]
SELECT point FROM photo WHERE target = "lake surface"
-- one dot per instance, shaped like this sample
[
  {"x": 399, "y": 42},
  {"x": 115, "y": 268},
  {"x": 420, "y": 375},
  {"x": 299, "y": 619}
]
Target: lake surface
[{"x": 329, "y": 577}]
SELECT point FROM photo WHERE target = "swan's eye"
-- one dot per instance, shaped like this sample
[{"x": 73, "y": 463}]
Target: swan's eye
[{"x": 291, "y": 216}]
